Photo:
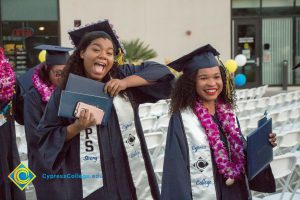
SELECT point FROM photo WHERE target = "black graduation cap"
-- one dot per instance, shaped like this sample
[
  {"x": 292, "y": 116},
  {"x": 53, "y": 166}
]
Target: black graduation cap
[
  {"x": 203, "y": 57},
  {"x": 104, "y": 26},
  {"x": 298, "y": 65},
  {"x": 56, "y": 55}
]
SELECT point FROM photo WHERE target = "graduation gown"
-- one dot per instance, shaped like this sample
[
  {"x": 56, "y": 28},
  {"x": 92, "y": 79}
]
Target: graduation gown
[
  {"x": 33, "y": 111},
  {"x": 9, "y": 160},
  {"x": 63, "y": 157},
  {"x": 24, "y": 84},
  {"x": 176, "y": 181}
]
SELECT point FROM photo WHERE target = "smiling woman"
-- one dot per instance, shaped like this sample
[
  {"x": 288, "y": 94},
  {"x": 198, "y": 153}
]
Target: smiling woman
[
  {"x": 118, "y": 147},
  {"x": 202, "y": 107},
  {"x": 98, "y": 58}
]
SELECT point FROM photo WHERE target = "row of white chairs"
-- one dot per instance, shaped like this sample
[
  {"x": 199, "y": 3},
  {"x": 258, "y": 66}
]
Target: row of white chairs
[
  {"x": 252, "y": 93},
  {"x": 154, "y": 109},
  {"x": 285, "y": 167},
  {"x": 283, "y": 120},
  {"x": 275, "y": 102}
]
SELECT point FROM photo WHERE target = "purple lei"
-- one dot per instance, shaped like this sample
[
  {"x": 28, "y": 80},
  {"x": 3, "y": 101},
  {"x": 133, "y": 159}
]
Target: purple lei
[
  {"x": 7, "y": 80},
  {"x": 44, "y": 90},
  {"x": 230, "y": 168}
]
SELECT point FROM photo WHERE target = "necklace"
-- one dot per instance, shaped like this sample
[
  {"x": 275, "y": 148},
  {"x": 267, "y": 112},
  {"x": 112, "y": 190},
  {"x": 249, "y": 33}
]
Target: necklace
[
  {"x": 44, "y": 90},
  {"x": 7, "y": 80},
  {"x": 230, "y": 164}
]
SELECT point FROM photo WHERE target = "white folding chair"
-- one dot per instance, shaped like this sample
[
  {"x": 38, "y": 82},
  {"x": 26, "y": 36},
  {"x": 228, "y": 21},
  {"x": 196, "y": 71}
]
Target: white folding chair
[
  {"x": 158, "y": 169},
  {"x": 294, "y": 117},
  {"x": 276, "y": 101},
  {"x": 250, "y": 106},
  {"x": 282, "y": 119},
  {"x": 148, "y": 123},
  {"x": 262, "y": 105},
  {"x": 240, "y": 106},
  {"x": 251, "y": 93},
  {"x": 243, "y": 121},
  {"x": 155, "y": 143},
  {"x": 144, "y": 109},
  {"x": 241, "y": 94},
  {"x": 287, "y": 142},
  {"x": 265, "y": 87},
  {"x": 282, "y": 168},
  {"x": 252, "y": 124},
  {"x": 163, "y": 123},
  {"x": 258, "y": 91},
  {"x": 158, "y": 109},
  {"x": 289, "y": 97}
]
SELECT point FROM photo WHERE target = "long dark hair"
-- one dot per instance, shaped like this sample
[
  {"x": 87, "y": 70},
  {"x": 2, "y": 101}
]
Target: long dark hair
[
  {"x": 184, "y": 94},
  {"x": 75, "y": 62},
  {"x": 44, "y": 73}
]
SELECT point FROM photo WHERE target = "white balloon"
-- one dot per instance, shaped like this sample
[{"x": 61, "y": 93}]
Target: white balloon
[{"x": 240, "y": 60}]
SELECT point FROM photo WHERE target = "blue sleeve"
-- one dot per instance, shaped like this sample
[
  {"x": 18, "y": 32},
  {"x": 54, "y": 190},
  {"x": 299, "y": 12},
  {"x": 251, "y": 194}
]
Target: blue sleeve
[
  {"x": 150, "y": 71},
  {"x": 176, "y": 182},
  {"x": 160, "y": 76}
]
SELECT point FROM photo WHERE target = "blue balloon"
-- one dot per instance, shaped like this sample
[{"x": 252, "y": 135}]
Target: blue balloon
[{"x": 240, "y": 80}]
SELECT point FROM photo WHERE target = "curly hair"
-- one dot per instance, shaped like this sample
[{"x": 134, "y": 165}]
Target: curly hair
[
  {"x": 185, "y": 96},
  {"x": 75, "y": 62}
]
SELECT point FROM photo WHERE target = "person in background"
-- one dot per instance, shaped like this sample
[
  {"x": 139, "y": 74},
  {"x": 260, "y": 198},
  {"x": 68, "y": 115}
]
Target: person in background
[
  {"x": 204, "y": 156},
  {"x": 9, "y": 156},
  {"x": 119, "y": 150},
  {"x": 45, "y": 78}
]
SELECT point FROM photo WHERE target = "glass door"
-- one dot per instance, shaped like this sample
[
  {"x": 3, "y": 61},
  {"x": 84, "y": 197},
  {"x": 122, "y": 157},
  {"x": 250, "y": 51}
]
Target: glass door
[{"x": 247, "y": 42}]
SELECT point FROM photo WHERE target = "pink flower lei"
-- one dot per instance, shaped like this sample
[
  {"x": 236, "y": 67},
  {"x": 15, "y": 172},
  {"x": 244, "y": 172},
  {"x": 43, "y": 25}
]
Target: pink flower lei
[
  {"x": 232, "y": 165},
  {"x": 44, "y": 90},
  {"x": 7, "y": 80}
]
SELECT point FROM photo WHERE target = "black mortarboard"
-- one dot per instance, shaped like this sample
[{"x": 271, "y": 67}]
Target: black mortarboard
[
  {"x": 298, "y": 65},
  {"x": 56, "y": 55},
  {"x": 104, "y": 26},
  {"x": 203, "y": 57}
]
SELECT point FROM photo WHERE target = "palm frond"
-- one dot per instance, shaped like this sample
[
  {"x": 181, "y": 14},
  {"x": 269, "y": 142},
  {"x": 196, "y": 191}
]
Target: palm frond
[{"x": 137, "y": 51}]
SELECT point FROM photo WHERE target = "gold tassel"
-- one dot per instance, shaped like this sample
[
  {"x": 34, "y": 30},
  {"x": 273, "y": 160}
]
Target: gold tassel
[
  {"x": 119, "y": 57},
  {"x": 228, "y": 84}
]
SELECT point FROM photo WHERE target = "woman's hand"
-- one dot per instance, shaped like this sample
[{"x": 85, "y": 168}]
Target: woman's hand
[
  {"x": 272, "y": 139},
  {"x": 115, "y": 86},
  {"x": 85, "y": 120}
]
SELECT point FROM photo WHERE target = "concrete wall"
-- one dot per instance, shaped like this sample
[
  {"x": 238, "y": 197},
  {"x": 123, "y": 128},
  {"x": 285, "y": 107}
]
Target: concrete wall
[{"x": 160, "y": 23}]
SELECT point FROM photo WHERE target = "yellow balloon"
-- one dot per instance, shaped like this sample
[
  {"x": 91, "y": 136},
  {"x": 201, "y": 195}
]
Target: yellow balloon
[
  {"x": 231, "y": 65},
  {"x": 42, "y": 56}
]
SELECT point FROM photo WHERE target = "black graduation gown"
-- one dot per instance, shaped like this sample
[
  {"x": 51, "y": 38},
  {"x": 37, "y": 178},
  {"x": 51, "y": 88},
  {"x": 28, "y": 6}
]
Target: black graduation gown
[
  {"x": 176, "y": 182},
  {"x": 33, "y": 111},
  {"x": 63, "y": 157},
  {"x": 9, "y": 160},
  {"x": 24, "y": 84}
]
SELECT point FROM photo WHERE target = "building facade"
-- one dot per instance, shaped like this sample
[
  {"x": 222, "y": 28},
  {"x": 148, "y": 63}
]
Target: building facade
[
  {"x": 25, "y": 24},
  {"x": 266, "y": 31}
]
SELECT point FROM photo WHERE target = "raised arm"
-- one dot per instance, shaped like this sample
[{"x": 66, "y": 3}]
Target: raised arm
[{"x": 149, "y": 82}]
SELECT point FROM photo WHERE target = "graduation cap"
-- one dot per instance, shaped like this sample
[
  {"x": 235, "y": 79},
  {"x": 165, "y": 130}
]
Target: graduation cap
[
  {"x": 298, "y": 65},
  {"x": 104, "y": 26},
  {"x": 203, "y": 57},
  {"x": 56, "y": 55}
]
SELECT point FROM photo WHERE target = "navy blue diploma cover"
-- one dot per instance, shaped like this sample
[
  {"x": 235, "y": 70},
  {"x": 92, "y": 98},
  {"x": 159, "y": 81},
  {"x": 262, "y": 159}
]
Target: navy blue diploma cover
[
  {"x": 81, "y": 89},
  {"x": 259, "y": 149}
]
